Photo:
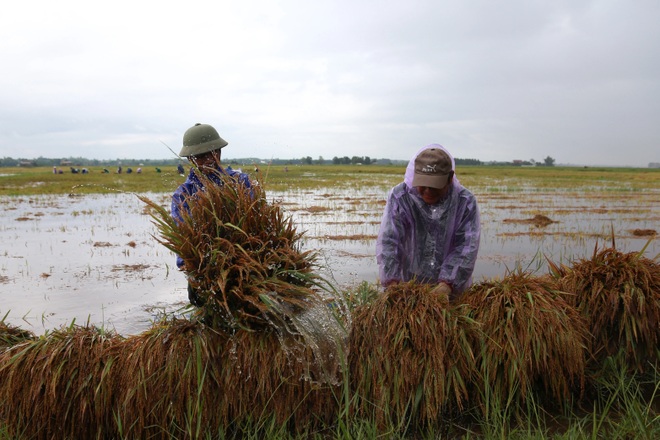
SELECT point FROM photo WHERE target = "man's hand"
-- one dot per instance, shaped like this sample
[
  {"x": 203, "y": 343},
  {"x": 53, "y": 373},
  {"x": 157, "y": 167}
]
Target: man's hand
[{"x": 442, "y": 289}]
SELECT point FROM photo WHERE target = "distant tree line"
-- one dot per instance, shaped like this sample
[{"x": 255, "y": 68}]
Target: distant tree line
[
  {"x": 83, "y": 162},
  {"x": 363, "y": 160},
  {"x": 366, "y": 160},
  {"x": 308, "y": 160}
]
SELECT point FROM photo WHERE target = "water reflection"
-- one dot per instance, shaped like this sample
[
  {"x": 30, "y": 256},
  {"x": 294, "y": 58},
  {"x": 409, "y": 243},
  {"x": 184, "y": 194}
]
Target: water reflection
[{"x": 94, "y": 257}]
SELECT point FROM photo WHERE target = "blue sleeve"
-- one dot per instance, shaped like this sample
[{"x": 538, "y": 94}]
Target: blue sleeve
[{"x": 178, "y": 203}]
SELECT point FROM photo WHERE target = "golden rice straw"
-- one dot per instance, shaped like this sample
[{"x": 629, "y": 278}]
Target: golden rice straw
[
  {"x": 618, "y": 294},
  {"x": 180, "y": 379},
  {"x": 238, "y": 248},
  {"x": 54, "y": 386},
  {"x": 531, "y": 341},
  {"x": 186, "y": 377},
  {"x": 410, "y": 356}
]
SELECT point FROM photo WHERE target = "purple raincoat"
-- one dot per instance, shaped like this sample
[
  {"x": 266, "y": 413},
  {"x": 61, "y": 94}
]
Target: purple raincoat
[{"x": 429, "y": 243}]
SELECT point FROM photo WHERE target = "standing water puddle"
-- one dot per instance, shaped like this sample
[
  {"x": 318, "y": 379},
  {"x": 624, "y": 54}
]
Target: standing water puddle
[{"x": 93, "y": 258}]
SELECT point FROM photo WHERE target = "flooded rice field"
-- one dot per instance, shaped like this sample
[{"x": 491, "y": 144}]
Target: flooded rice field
[{"x": 94, "y": 258}]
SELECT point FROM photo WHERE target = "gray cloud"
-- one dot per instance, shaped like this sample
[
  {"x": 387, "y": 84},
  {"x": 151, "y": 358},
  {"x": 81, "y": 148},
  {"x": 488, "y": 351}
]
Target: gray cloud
[{"x": 489, "y": 80}]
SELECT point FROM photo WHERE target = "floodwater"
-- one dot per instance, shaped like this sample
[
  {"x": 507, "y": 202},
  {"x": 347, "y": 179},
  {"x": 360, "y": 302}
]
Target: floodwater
[{"x": 94, "y": 258}]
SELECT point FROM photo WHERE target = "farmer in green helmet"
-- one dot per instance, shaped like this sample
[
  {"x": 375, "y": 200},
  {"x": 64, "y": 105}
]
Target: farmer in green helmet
[{"x": 202, "y": 146}]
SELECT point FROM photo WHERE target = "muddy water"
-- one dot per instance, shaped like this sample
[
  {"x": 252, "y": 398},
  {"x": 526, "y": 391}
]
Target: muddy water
[{"x": 93, "y": 258}]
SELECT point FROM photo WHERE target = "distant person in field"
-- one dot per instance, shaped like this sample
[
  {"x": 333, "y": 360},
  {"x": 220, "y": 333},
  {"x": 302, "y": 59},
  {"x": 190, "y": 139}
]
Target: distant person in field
[
  {"x": 180, "y": 170},
  {"x": 202, "y": 146},
  {"x": 430, "y": 229}
]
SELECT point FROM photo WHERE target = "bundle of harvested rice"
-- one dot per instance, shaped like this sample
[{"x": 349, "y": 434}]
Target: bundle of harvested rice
[
  {"x": 277, "y": 375},
  {"x": 180, "y": 379},
  {"x": 618, "y": 294},
  {"x": 55, "y": 386},
  {"x": 238, "y": 249},
  {"x": 163, "y": 380},
  {"x": 410, "y": 356},
  {"x": 532, "y": 340}
]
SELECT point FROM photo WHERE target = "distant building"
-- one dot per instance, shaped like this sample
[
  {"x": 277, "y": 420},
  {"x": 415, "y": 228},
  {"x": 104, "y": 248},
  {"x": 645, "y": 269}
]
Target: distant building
[
  {"x": 26, "y": 163},
  {"x": 654, "y": 164}
]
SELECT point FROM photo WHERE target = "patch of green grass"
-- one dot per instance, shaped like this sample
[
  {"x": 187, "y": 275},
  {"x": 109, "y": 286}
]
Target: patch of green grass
[{"x": 41, "y": 180}]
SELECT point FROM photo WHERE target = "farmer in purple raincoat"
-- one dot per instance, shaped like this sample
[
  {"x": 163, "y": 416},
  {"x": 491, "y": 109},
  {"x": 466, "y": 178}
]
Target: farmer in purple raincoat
[
  {"x": 430, "y": 228},
  {"x": 202, "y": 146}
]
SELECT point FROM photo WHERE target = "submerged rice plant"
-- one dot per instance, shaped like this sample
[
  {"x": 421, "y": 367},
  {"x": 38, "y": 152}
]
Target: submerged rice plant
[
  {"x": 532, "y": 342},
  {"x": 618, "y": 294},
  {"x": 411, "y": 358}
]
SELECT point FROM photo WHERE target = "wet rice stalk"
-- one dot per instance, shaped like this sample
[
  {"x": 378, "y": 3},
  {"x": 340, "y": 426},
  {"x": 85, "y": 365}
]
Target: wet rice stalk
[
  {"x": 243, "y": 256},
  {"x": 180, "y": 379},
  {"x": 532, "y": 344},
  {"x": 618, "y": 294},
  {"x": 241, "y": 253},
  {"x": 411, "y": 358},
  {"x": 187, "y": 377},
  {"x": 415, "y": 364},
  {"x": 54, "y": 386}
]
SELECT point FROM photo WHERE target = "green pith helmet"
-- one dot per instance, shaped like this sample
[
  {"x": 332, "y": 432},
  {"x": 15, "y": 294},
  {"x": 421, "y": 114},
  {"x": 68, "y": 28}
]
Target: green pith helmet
[{"x": 200, "y": 139}]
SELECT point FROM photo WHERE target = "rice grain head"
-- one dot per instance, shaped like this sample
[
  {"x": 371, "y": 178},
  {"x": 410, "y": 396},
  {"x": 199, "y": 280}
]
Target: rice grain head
[
  {"x": 532, "y": 342},
  {"x": 618, "y": 294},
  {"x": 55, "y": 386},
  {"x": 410, "y": 356},
  {"x": 239, "y": 249}
]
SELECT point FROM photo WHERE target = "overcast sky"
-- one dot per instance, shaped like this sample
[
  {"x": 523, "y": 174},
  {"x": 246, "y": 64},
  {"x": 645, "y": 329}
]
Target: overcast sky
[{"x": 578, "y": 81}]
